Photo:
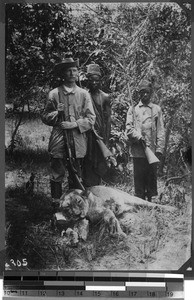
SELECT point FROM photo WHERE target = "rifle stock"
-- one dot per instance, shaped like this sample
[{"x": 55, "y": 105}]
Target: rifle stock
[
  {"x": 151, "y": 157},
  {"x": 103, "y": 148}
]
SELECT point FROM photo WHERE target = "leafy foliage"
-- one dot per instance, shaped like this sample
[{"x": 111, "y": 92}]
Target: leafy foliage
[{"x": 129, "y": 42}]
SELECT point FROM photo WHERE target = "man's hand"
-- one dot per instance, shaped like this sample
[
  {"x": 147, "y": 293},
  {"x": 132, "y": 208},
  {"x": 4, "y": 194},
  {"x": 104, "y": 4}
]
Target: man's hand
[
  {"x": 60, "y": 107},
  {"x": 111, "y": 160},
  {"x": 143, "y": 142},
  {"x": 68, "y": 125}
]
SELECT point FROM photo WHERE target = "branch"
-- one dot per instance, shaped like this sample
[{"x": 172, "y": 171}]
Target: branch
[
  {"x": 176, "y": 178},
  {"x": 93, "y": 10}
]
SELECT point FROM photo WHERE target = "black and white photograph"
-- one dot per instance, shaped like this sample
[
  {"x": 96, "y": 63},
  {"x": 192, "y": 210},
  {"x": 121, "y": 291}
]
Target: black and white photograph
[{"x": 98, "y": 136}]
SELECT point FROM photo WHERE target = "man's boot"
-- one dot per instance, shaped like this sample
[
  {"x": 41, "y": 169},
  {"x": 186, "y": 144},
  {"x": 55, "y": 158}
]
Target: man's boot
[{"x": 56, "y": 192}]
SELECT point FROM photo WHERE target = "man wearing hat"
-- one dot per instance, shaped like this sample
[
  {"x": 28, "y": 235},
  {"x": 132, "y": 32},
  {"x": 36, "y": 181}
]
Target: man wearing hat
[
  {"x": 144, "y": 127},
  {"x": 95, "y": 165},
  {"x": 69, "y": 110}
]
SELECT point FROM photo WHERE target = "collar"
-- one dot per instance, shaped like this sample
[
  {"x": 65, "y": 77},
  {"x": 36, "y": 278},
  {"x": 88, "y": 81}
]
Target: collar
[
  {"x": 150, "y": 105},
  {"x": 66, "y": 92}
]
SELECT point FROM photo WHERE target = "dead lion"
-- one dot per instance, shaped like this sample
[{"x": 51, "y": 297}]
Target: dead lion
[{"x": 98, "y": 204}]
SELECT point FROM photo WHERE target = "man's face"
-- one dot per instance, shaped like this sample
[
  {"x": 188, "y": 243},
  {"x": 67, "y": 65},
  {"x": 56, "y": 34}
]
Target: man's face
[
  {"x": 70, "y": 75},
  {"x": 145, "y": 95},
  {"x": 94, "y": 82}
]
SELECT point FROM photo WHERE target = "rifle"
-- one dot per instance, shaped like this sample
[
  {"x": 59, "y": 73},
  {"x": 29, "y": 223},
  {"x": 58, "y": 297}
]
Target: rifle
[
  {"x": 70, "y": 159},
  {"x": 103, "y": 148},
  {"x": 151, "y": 157},
  {"x": 70, "y": 162}
]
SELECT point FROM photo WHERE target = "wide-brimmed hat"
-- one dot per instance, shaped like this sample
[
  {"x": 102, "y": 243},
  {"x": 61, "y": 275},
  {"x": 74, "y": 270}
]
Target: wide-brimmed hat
[
  {"x": 93, "y": 69},
  {"x": 145, "y": 85},
  {"x": 64, "y": 64}
]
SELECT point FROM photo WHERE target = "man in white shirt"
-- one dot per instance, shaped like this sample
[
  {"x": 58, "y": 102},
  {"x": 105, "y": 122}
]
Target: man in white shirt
[{"x": 144, "y": 127}]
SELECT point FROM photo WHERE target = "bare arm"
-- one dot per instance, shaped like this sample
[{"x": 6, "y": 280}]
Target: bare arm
[
  {"x": 107, "y": 110},
  {"x": 88, "y": 120}
]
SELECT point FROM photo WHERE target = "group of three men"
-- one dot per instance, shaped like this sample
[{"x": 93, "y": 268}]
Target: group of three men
[{"x": 84, "y": 115}]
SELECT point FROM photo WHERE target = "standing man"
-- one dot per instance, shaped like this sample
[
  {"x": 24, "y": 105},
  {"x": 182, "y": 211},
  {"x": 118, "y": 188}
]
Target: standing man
[
  {"x": 69, "y": 110},
  {"x": 95, "y": 163},
  {"x": 101, "y": 102},
  {"x": 144, "y": 127}
]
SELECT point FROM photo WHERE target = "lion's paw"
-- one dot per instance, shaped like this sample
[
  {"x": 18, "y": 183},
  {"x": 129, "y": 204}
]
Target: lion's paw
[
  {"x": 113, "y": 224},
  {"x": 70, "y": 237}
]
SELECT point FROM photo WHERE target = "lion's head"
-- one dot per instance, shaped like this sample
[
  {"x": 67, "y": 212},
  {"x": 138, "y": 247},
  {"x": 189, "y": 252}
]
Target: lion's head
[{"x": 74, "y": 205}]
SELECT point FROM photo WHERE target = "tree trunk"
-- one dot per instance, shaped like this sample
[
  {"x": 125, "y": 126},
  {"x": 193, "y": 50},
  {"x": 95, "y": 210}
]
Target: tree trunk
[
  {"x": 167, "y": 137},
  {"x": 17, "y": 125}
]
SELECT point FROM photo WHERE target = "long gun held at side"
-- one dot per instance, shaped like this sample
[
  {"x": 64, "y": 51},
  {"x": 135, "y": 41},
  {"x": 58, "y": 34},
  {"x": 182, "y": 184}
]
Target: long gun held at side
[
  {"x": 151, "y": 157},
  {"x": 70, "y": 162},
  {"x": 70, "y": 159}
]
